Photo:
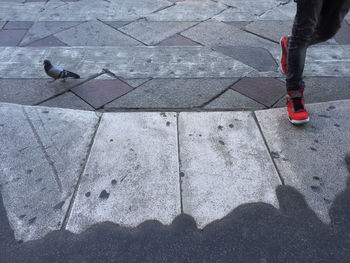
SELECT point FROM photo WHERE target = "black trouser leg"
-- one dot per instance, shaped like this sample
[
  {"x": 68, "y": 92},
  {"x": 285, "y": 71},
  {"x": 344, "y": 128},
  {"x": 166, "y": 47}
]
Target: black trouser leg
[{"x": 305, "y": 22}]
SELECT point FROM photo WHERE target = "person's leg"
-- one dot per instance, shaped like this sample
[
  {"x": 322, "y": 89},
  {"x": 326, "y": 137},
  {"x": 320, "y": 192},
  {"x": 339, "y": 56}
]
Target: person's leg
[
  {"x": 331, "y": 18},
  {"x": 306, "y": 20}
]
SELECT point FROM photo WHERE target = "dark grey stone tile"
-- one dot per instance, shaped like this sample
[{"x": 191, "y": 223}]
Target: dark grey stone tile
[
  {"x": 18, "y": 25},
  {"x": 99, "y": 92},
  {"x": 31, "y": 91},
  {"x": 232, "y": 100},
  {"x": 49, "y": 41},
  {"x": 272, "y": 30},
  {"x": 343, "y": 35},
  {"x": 178, "y": 40},
  {"x": 266, "y": 91},
  {"x": 11, "y": 38},
  {"x": 68, "y": 100},
  {"x": 172, "y": 93},
  {"x": 258, "y": 58}
]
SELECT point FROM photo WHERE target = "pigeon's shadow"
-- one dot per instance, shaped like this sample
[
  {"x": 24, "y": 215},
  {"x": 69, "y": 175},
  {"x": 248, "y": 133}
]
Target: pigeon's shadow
[{"x": 255, "y": 232}]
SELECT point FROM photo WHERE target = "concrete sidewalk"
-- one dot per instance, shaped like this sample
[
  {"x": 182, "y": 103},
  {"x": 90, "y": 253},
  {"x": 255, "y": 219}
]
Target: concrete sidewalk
[{"x": 70, "y": 169}]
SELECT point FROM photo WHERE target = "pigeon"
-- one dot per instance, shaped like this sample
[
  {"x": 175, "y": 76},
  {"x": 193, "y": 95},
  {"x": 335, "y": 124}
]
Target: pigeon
[{"x": 57, "y": 72}]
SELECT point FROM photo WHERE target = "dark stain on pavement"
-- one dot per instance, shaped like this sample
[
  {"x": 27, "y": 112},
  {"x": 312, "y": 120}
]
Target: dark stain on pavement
[
  {"x": 104, "y": 195},
  {"x": 254, "y": 232}
]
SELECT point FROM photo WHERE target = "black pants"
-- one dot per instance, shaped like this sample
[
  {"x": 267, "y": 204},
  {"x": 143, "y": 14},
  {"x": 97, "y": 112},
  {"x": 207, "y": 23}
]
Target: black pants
[{"x": 315, "y": 21}]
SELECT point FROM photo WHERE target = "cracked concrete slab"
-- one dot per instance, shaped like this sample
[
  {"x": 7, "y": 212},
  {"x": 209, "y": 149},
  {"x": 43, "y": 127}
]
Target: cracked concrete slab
[
  {"x": 224, "y": 163},
  {"x": 132, "y": 172},
  {"x": 311, "y": 157},
  {"x": 126, "y": 62},
  {"x": 43, "y": 151}
]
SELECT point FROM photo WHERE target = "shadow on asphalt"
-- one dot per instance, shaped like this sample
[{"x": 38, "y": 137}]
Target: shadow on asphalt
[{"x": 255, "y": 232}]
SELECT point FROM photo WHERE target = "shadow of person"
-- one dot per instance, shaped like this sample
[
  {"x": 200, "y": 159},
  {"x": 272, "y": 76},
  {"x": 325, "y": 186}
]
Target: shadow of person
[{"x": 254, "y": 232}]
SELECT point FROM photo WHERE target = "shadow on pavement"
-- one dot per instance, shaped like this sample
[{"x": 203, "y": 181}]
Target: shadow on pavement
[{"x": 255, "y": 232}]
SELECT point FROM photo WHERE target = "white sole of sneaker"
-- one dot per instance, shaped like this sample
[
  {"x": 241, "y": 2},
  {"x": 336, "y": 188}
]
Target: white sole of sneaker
[{"x": 299, "y": 122}]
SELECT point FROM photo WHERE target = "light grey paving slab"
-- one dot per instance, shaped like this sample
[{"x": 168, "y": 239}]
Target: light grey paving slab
[
  {"x": 189, "y": 10},
  {"x": 315, "y": 164},
  {"x": 172, "y": 93},
  {"x": 83, "y": 10},
  {"x": 132, "y": 172},
  {"x": 245, "y": 10},
  {"x": 95, "y": 33},
  {"x": 232, "y": 100},
  {"x": 215, "y": 33},
  {"x": 42, "y": 29},
  {"x": 152, "y": 33},
  {"x": 125, "y": 62},
  {"x": 225, "y": 163},
  {"x": 67, "y": 100},
  {"x": 42, "y": 154}
]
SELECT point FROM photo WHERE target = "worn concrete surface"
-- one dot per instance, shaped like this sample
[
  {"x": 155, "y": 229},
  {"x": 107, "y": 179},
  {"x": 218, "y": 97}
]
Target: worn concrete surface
[
  {"x": 311, "y": 158},
  {"x": 131, "y": 174},
  {"x": 224, "y": 163},
  {"x": 43, "y": 151}
]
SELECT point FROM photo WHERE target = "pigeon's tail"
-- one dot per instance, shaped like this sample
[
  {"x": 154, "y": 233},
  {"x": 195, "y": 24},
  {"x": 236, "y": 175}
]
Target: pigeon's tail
[{"x": 73, "y": 75}]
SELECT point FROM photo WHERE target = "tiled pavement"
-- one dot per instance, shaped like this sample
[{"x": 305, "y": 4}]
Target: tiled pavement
[
  {"x": 179, "y": 55},
  {"x": 169, "y": 57}
]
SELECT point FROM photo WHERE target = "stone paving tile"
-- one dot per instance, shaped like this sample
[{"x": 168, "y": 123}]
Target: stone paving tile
[
  {"x": 343, "y": 35},
  {"x": 323, "y": 89},
  {"x": 18, "y": 25},
  {"x": 249, "y": 55},
  {"x": 132, "y": 62},
  {"x": 67, "y": 100},
  {"x": 224, "y": 163},
  {"x": 2, "y": 23},
  {"x": 10, "y": 11},
  {"x": 239, "y": 24},
  {"x": 178, "y": 40},
  {"x": 135, "y": 82},
  {"x": 44, "y": 29},
  {"x": 266, "y": 91},
  {"x": 116, "y": 10},
  {"x": 132, "y": 174},
  {"x": 189, "y": 10},
  {"x": 31, "y": 91},
  {"x": 324, "y": 60},
  {"x": 244, "y": 10},
  {"x": 214, "y": 33},
  {"x": 99, "y": 92},
  {"x": 45, "y": 151},
  {"x": 232, "y": 100},
  {"x": 324, "y": 143},
  {"x": 272, "y": 30},
  {"x": 172, "y": 93},
  {"x": 11, "y": 37},
  {"x": 281, "y": 12},
  {"x": 152, "y": 33},
  {"x": 116, "y": 24},
  {"x": 49, "y": 41},
  {"x": 95, "y": 33}
]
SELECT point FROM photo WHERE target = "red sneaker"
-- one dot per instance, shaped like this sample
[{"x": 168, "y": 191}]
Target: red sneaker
[
  {"x": 296, "y": 107},
  {"x": 284, "y": 54}
]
